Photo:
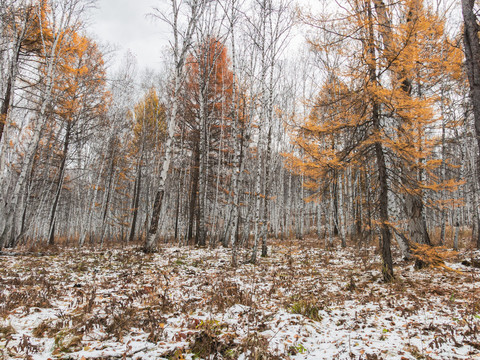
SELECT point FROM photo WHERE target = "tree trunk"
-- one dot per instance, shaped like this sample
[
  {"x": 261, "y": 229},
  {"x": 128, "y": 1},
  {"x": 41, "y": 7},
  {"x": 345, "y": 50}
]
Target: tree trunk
[
  {"x": 341, "y": 215},
  {"x": 202, "y": 180},
  {"x": 177, "y": 205},
  {"x": 61, "y": 176},
  {"x": 152, "y": 231},
  {"x": 180, "y": 54},
  {"x": 238, "y": 145},
  {"x": 266, "y": 165},
  {"x": 472, "y": 63},
  {"x": 193, "y": 194},
  {"x": 5, "y": 106},
  {"x": 107, "y": 198},
  {"x": 385, "y": 234},
  {"x": 12, "y": 75},
  {"x": 136, "y": 200}
]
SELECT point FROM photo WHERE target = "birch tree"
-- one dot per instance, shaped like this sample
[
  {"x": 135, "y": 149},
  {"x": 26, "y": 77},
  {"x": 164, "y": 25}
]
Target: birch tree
[
  {"x": 182, "y": 42},
  {"x": 60, "y": 16}
]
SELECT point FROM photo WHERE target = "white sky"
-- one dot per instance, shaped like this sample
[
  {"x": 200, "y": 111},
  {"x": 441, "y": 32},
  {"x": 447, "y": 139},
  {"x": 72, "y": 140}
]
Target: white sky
[{"x": 125, "y": 24}]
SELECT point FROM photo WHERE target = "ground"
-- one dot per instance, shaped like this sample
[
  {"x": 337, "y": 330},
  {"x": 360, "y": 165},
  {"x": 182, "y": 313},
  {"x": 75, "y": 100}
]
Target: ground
[{"x": 301, "y": 302}]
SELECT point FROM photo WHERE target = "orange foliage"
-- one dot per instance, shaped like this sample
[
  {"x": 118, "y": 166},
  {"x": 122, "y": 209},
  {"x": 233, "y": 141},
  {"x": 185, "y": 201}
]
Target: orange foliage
[
  {"x": 209, "y": 72},
  {"x": 80, "y": 85},
  {"x": 339, "y": 134},
  {"x": 149, "y": 121}
]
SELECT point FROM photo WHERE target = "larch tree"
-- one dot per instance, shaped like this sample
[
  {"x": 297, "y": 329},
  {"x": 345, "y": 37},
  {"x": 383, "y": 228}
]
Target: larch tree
[
  {"x": 368, "y": 107},
  {"x": 149, "y": 128},
  {"x": 82, "y": 100},
  {"x": 207, "y": 103}
]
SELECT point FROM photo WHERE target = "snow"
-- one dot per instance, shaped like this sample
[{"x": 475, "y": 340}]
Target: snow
[{"x": 301, "y": 302}]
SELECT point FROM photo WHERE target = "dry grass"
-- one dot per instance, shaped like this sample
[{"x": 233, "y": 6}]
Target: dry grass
[{"x": 113, "y": 294}]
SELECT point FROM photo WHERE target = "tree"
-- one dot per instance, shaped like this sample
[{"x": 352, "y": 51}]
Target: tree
[
  {"x": 149, "y": 127},
  {"x": 26, "y": 29},
  {"x": 207, "y": 106},
  {"x": 82, "y": 99},
  {"x": 60, "y": 16},
  {"x": 471, "y": 44},
  {"x": 367, "y": 111},
  {"x": 181, "y": 46}
]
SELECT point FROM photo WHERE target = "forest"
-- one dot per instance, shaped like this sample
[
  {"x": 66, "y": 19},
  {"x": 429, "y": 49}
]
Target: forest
[{"x": 291, "y": 167}]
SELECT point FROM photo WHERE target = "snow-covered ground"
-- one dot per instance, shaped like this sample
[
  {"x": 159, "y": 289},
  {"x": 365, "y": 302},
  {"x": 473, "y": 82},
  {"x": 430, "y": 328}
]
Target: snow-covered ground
[{"x": 301, "y": 302}]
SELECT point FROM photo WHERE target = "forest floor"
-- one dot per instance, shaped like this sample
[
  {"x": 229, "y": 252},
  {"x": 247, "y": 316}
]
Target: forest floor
[{"x": 301, "y": 302}]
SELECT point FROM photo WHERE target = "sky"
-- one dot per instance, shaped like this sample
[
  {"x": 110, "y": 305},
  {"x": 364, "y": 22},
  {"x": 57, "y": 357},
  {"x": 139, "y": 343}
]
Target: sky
[{"x": 125, "y": 24}]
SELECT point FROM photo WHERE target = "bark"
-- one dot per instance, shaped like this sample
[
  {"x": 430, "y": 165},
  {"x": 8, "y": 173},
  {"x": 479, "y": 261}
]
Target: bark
[
  {"x": 193, "y": 194},
  {"x": 414, "y": 208},
  {"x": 13, "y": 71},
  {"x": 417, "y": 226},
  {"x": 265, "y": 214},
  {"x": 472, "y": 63},
  {"x": 443, "y": 215},
  {"x": 136, "y": 200},
  {"x": 177, "y": 207},
  {"x": 5, "y": 106},
  {"x": 457, "y": 229},
  {"x": 238, "y": 144},
  {"x": 106, "y": 202},
  {"x": 335, "y": 208},
  {"x": 91, "y": 208},
  {"x": 341, "y": 215},
  {"x": 202, "y": 181},
  {"x": 152, "y": 231},
  {"x": 258, "y": 199},
  {"x": 385, "y": 234},
  {"x": 61, "y": 176},
  {"x": 180, "y": 54},
  {"x": 387, "y": 266},
  {"x": 329, "y": 219}
]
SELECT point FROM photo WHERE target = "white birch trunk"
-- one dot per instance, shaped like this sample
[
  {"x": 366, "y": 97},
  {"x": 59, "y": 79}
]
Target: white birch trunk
[
  {"x": 180, "y": 55},
  {"x": 341, "y": 210}
]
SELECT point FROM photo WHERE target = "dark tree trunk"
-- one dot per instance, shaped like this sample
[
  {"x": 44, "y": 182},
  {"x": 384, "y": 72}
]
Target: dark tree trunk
[
  {"x": 107, "y": 201},
  {"x": 5, "y": 106},
  {"x": 155, "y": 217},
  {"x": 136, "y": 200},
  {"x": 61, "y": 175},
  {"x": 8, "y": 93},
  {"x": 472, "y": 63},
  {"x": 335, "y": 207},
  {"x": 177, "y": 207},
  {"x": 385, "y": 234}
]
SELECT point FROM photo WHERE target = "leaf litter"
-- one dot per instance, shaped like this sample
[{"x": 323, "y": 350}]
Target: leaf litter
[{"x": 301, "y": 302}]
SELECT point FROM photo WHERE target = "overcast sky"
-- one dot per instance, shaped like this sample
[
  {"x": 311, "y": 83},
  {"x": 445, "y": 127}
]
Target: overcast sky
[{"x": 125, "y": 23}]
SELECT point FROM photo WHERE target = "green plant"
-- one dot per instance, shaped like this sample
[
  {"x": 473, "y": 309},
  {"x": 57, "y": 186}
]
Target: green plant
[
  {"x": 296, "y": 349},
  {"x": 306, "y": 308}
]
